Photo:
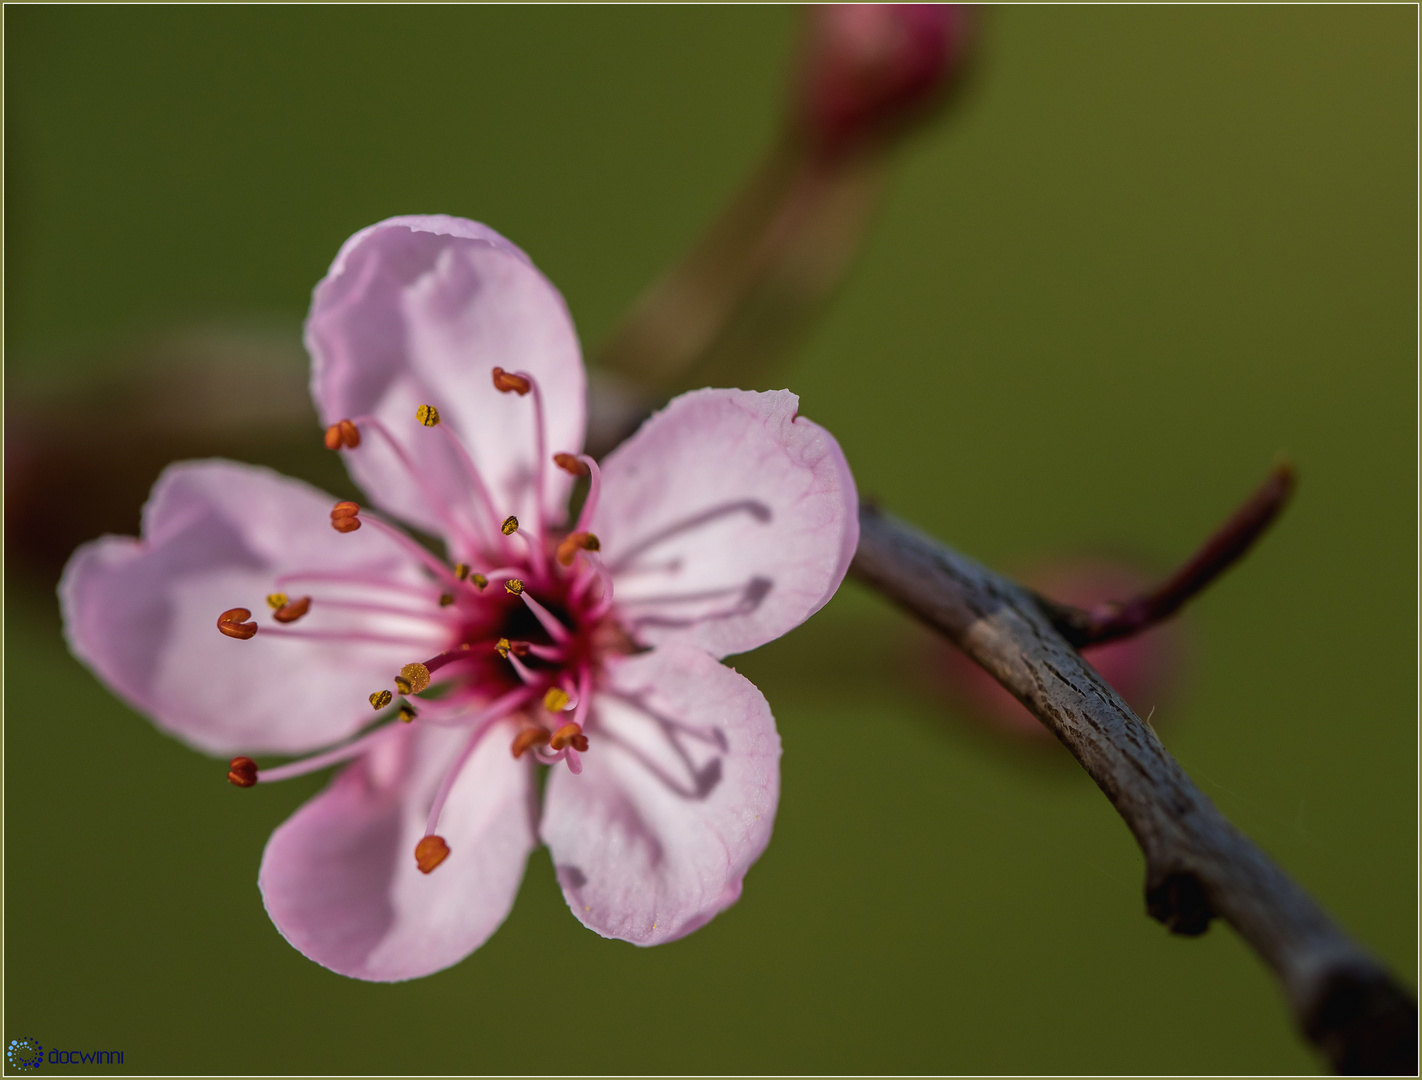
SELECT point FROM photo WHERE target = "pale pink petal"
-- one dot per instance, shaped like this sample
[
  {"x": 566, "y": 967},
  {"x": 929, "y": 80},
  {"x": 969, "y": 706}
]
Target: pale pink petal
[
  {"x": 676, "y": 799},
  {"x": 419, "y": 310},
  {"x": 339, "y": 876},
  {"x": 143, "y": 613},
  {"x": 726, "y": 520}
]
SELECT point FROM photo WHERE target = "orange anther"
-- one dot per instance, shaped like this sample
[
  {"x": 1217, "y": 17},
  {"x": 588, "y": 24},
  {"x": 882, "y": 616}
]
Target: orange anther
[
  {"x": 233, "y": 622},
  {"x": 293, "y": 610},
  {"x": 342, "y": 433},
  {"x": 575, "y": 542},
  {"x": 570, "y": 463},
  {"x": 533, "y": 736},
  {"x": 430, "y": 852},
  {"x": 345, "y": 517},
  {"x": 242, "y": 771},
  {"x": 569, "y": 735},
  {"x": 510, "y": 383}
]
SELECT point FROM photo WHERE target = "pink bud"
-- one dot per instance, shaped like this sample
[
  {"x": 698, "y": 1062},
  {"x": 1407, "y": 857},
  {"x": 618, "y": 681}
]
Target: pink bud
[{"x": 870, "y": 68}]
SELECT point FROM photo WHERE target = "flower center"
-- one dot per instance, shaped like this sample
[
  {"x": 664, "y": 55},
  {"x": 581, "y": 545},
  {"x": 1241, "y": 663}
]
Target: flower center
[{"x": 519, "y": 640}]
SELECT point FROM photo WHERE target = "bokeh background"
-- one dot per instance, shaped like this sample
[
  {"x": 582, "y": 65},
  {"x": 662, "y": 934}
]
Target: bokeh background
[{"x": 1152, "y": 248}]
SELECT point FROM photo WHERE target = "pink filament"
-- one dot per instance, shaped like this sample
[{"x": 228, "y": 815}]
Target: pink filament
[
  {"x": 585, "y": 516},
  {"x": 435, "y": 503},
  {"x": 485, "y": 720},
  {"x": 320, "y": 761},
  {"x": 556, "y": 630},
  {"x": 476, "y": 479},
  {"x": 346, "y": 635},
  {"x": 540, "y": 452}
]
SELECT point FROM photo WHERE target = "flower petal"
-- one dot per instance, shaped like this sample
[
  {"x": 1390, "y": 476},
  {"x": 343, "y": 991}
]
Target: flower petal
[
  {"x": 418, "y": 311},
  {"x": 142, "y": 614},
  {"x": 339, "y": 878},
  {"x": 676, "y": 799},
  {"x": 726, "y": 520}
]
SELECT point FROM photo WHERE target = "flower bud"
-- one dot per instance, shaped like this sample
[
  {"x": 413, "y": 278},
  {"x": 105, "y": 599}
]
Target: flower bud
[{"x": 870, "y": 69}]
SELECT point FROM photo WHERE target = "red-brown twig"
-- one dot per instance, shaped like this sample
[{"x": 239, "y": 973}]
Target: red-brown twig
[{"x": 1109, "y": 621}]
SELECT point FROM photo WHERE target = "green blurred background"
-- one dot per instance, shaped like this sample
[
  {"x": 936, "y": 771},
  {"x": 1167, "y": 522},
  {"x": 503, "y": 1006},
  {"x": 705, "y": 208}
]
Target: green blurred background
[{"x": 1154, "y": 247}]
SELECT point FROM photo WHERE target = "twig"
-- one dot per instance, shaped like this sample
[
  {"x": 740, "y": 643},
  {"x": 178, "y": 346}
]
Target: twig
[
  {"x": 1109, "y": 621},
  {"x": 1198, "y": 865}
]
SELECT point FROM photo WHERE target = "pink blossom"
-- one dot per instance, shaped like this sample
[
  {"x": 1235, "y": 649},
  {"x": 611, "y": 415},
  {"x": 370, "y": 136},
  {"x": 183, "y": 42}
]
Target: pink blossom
[{"x": 591, "y": 646}]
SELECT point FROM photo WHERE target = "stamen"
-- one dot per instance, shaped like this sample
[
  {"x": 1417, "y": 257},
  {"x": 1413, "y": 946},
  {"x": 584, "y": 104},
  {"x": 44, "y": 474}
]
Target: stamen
[
  {"x": 437, "y": 504},
  {"x": 233, "y": 622},
  {"x": 380, "y": 699},
  {"x": 555, "y": 701},
  {"x": 479, "y": 581},
  {"x": 445, "y": 599},
  {"x": 556, "y": 630},
  {"x": 506, "y": 382},
  {"x": 407, "y": 713},
  {"x": 569, "y": 735},
  {"x": 540, "y": 479},
  {"x": 528, "y": 677},
  {"x": 513, "y": 585},
  {"x": 504, "y": 646},
  {"x": 575, "y": 542},
  {"x": 430, "y": 852},
  {"x": 333, "y": 437},
  {"x": 434, "y": 565},
  {"x": 350, "y": 636},
  {"x": 476, "y": 479},
  {"x": 413, "y": 679},
  {"x": 290, "y": 612},
  {"x": 427, "y": 415},
  {"x": 461, "y": 571},
  {"x": 277, "y": 600},
  {"x": 345, "y": 517},
  {"x": 529, "y": 737},
  {"x": 510, "y": 526},
  {"x": 242, "y": 771}
]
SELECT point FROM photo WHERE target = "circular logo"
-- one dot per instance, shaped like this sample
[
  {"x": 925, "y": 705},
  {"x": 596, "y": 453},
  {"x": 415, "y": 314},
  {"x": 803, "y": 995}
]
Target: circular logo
[{"x": 26, "y": 1054}]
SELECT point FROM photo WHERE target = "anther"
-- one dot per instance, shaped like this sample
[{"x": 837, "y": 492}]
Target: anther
[
  {"x": 342, "y": 433},
  {"x": 570, "y": 463},
  {"x": 380, "y": 699},
  {"x": 427, "y": 415},
  {"x": 290, "y": 612},
  {"x": 333, "y": 437},
  {"x": 528, "y": 737},
  {"x": 277, "y": 600},
  {"x": 509, "y": 383},
  {"x": 345, "y": 517},
  {"x": 556, "y": 700},
  {"x": 575, "y": 542},
  {"x": 242, "y": 771},
  {"x": 234, "y": 624},
  {"x": 413, "y": 679},
  {"x": 407, "y": 713},
  {"x": 569, "y": 735},
  {"x": 504, "y": 646},
  {"x": 445, "y": 599},
  {"x": 514, "y": 586},
  {"x": 430, "y": 852},
  {"x": 510, "y": 526},
  {"x": 461, "y": 571},
  {"x": 480, "y": 581}
]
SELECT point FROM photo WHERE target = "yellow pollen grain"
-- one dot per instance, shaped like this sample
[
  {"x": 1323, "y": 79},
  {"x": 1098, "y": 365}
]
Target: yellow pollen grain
[
  {"x": 514, "y": 585},
  {"x": 502, "y": 647},
  {"x": 427, "y": 415},
  {"x": 555, "y": 700},
  {"x": 510, "y": 525},
  {"x": 380, "y": 699},
  {"x": 277, "y": 600}
]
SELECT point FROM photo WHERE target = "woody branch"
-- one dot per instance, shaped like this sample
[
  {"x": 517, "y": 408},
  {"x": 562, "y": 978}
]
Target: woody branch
[{"x": 1198, "y": 865}]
